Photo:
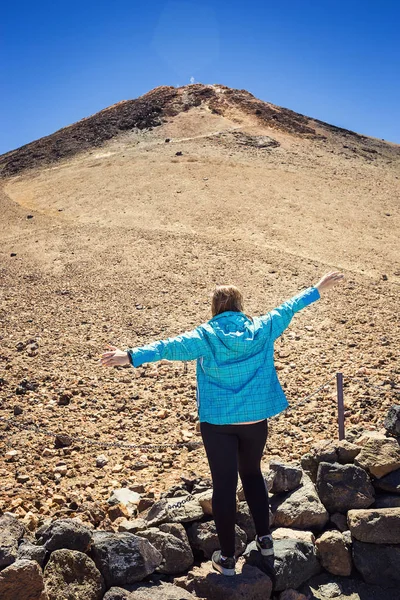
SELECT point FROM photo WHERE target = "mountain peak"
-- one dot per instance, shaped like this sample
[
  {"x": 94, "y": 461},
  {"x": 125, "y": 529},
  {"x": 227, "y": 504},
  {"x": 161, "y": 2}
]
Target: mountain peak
[{"x": 152, "y": 110}]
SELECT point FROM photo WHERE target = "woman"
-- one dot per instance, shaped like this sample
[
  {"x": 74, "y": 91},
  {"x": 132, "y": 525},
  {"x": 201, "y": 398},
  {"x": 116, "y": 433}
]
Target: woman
[{"x": 237, "y": 391}]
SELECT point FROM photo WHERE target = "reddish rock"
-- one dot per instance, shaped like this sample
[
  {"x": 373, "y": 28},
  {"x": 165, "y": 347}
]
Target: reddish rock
[
  {"x": 22, "y": 580},
  {"x": 334, "y": 554},
  {"x": 375, "y": 526}
]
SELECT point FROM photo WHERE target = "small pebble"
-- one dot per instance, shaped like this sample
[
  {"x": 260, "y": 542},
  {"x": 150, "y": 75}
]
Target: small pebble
[{"x": 101, "y": 461}]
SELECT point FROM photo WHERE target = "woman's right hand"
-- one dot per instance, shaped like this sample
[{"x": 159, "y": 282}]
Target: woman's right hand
[
  {"x": 328, "y": 281},
  {"x": 114, "y": 358}
]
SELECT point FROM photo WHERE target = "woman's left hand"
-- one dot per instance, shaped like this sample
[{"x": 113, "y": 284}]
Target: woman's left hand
[{"x": 114, "y": 358}]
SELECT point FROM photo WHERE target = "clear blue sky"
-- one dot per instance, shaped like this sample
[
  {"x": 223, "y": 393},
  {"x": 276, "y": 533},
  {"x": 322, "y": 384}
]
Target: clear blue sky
[{"x": 62, "y": 60}]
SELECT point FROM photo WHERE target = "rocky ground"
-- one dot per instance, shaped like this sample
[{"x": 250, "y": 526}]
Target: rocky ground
[
  {"x": 335, "y": 523},
  {"x": 122, "y": 244}
]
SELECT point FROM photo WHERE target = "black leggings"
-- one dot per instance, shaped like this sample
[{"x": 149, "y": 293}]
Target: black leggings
[{"x": 231, "y": 448}]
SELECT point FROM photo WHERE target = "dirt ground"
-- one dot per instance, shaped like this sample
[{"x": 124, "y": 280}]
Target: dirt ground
[{"x": 123, "y": 244}]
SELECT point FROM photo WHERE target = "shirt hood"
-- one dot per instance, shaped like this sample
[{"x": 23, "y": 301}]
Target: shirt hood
[{"x": 235, "y": 330}]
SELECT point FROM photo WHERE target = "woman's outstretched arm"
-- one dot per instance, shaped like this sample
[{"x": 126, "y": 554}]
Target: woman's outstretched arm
[
  {"x": 279, "y": 318},
  {"x": 187, "y": 346}
]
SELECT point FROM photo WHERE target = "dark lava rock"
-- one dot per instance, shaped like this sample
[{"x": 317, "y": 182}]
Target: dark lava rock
[
  {"x": 124, "y": 558},
  {"x": 65, "y": 533},
  {"x": 343, "y": 487},
  {"x": 11, "y": 532},
  {"x": 392, "y": 421},
  {"x": 295, "y": 562},
  {"x": 378, "y": 563}
]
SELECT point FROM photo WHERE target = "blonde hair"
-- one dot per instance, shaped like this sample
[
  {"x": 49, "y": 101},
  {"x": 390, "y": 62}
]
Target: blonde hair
[{"x": 226, "y": 297}]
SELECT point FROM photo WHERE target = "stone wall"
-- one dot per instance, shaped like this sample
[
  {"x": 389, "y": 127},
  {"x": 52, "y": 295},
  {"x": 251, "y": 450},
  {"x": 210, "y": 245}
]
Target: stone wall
[{"x": 335, "y": 515}]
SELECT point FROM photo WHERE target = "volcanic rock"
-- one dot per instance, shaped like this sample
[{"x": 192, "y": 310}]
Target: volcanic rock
[
  {"x": 11, "y": 532},
  {"x": 124, "y": 558},
  {"x": 342, "y": 487},
  {"x": 73, "y": 575},
  {"x": 334, "y": 554},
  {"x": 378, "y": 565},
  {"x": 206, "y": 583},
  {"x": 300, "y": 508},
  {"x": 375, "y": 526},
  {"x": 175, "y": 549},
  {"x": 22, "y": 580}
]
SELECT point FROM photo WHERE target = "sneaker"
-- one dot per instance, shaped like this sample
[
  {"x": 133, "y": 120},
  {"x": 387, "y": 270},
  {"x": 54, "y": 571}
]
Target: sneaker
[
  {"x": 226, "y": 566},
  {"x": 265, "y": 544}
]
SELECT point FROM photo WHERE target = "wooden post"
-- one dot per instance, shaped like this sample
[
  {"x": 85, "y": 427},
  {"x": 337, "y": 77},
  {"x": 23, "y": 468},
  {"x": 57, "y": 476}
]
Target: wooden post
[{"x": 339, "y": 388}]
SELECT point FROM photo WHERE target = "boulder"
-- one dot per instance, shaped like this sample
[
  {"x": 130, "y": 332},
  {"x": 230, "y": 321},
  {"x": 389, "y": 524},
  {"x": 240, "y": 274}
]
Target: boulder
[
  {"x": 30, "y": 551},
  {"x": 387, "y": 501},
  {"x": 245, "y": 521},
  {"x": 347, "y": 537},
  {"x": 132, "y": 526},
  {"x": 203, "y": 538},
  {"x": 375, "y": 526},
  {"x": 334, "y": 554},
  {"x": 11, "y": 532},
  {"x": 197, "y": 485},
  {"x": 365, "y": 436},
  {"x": 70, "y": 534},
  {"x": 346, "y": 451},
  {"x": 126, "y": 497},
  {"x": 379, "y": 456},
  {"x": 388, "y": 483},
  {"x": 117, "y": 511},
  {"x": 250, "y": 583},
  {"x": 205, "y": 501},
  {"x": 176, "y": 551},
  {"x": 283, "y": 477},
  {"x": 71, "y": 575},
  {"x": 295, "y": 562},
  {"x": 324, "y": 450},
  {"x": 23, "y": 580},
  {"x": 123, "y": 558},
  {"x": 31, "y": 521},
  {"x": 353, "y": 433},
  {"x": 175, "y": 529},
  {"x": 144, "y": 504},
  {"x": 164, "y": 512},
  {"x": 340, "y": 521},
  {"x": 284, "y": 533},
  {"x": 331, "y": 590},
  {"x": 378, "y": 565},
  {"x": 392, "y": 421},
  {"x": 150, "y": 591},
  {"x": 343, "y": 487},
  {"x": 326, "y": 586},
  {"x": 300, "y": 508}
]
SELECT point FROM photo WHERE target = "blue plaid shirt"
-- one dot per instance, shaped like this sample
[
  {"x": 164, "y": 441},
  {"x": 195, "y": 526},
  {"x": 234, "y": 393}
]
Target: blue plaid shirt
[{"x": 236, "y": 376}]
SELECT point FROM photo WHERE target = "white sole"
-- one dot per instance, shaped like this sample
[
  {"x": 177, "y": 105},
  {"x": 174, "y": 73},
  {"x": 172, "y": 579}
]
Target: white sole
[
  {"x": 223, "y": 570},
  {"x": 264, "y": 552}
]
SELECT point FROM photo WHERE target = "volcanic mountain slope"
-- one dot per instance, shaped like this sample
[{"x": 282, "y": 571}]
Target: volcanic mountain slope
[{"x": 115, "y": 230}]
